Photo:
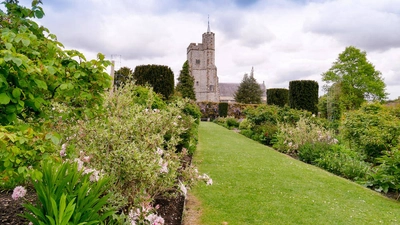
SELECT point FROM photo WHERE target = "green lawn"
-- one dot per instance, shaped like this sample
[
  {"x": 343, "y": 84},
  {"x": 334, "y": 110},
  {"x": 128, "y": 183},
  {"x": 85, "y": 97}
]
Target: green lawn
[{"x": 254, "y": 184}]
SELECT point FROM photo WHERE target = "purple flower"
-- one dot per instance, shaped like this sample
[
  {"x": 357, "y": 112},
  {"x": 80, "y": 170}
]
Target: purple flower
[{"x": 18, "y": 192}]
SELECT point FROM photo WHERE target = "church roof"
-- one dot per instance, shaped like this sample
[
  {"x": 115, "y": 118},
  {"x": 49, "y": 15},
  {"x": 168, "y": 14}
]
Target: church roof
[{"x": 229, "y": 89}]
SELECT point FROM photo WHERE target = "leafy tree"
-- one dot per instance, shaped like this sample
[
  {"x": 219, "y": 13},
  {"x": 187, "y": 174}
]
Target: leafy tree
[
  {"x": 357, "y": 78},
  {"x": 249, "y": 91},
  {"x": 160, "y": 77},
  {"x": 186, "y": 83},
  {"x": 35, "y": 69},
  {"x": 122, "y": 76}
]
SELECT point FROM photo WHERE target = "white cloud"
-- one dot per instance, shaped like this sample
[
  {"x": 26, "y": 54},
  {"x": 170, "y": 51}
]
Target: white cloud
[{"x": 283, "y": 40}]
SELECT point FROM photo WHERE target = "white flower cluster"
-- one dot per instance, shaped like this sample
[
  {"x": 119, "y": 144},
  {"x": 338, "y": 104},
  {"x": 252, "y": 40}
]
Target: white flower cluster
[
  {"x": 94, "y": 174},
  {"x": 206, "y": 178},
  {"x": 145, "y": 211}
]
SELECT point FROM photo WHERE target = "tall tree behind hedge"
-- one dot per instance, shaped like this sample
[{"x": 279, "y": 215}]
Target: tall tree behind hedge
[
  {"x": 357, "y": 78},
  {"x": 249, "y": 91},
  {"x": 186, "y": 83},
  {"x": 303, "y": 94},
  {"x": 160, "y": 77},
  {"x": 122, "y": 75},
  {"x": 278, "y": 96}
]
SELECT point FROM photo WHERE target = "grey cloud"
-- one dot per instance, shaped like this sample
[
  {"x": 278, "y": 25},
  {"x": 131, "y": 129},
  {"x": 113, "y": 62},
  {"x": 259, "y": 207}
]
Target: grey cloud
[{"x": 364, "y": 27}]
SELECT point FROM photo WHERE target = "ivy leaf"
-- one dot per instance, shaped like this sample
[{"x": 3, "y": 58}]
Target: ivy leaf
[
  {"x": 17, "y": 61},
  {"x": 4, "y": 99},
  {"x": 41, "y": 84}
]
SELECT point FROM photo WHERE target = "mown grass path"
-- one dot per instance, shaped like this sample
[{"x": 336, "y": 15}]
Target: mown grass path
[{"x": 254, "y": 184}]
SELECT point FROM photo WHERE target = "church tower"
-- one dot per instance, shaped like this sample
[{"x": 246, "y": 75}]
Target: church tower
[{"x": 201, "y": 59}]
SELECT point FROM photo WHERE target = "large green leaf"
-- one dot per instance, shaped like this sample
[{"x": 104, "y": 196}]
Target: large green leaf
[
  {"x": 17, "y": 61},
  {"x": 26, "y": 42},
  {"x": 16, "y": 93},
  {"x": 41, "y": 84},
  {"x": 4, "y": 99}
]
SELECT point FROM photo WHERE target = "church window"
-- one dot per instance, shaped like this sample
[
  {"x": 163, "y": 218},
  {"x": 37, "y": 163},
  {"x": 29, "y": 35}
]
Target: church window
[
  {"x": 211, "y": 87},
  {"x": 197, "y": 83},
  {"x": 197, "y": 61}
]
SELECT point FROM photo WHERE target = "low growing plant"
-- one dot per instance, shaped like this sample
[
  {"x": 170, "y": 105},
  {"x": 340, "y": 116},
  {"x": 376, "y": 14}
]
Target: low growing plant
[
  {"x": 386, "y": 176},
  {"x": 344, "y": 162},
  {"x": 68, "y": 194}
]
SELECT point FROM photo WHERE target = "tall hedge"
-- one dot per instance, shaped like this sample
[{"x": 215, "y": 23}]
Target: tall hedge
[
  {"x": 303, "y": 94},
  {"x": 223, "y": 109},
  {"x": 278, "y": 96},
  {"x": 160, "y": 77}
]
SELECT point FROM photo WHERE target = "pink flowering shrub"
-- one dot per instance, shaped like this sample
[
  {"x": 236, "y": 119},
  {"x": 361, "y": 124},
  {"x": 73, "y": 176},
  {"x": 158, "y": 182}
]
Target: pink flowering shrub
[{"x": 290, "y": 138}]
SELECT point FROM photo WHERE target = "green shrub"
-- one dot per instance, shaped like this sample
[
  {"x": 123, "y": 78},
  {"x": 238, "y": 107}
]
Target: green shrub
[
  {"x": 221, "y": 121},
  {"x": 371, "y": 129},
  {"x": 223, "y": 109},
  {"x": 144, "y": 96},
  {"x": 23, "y": 147},
  {"x": 289, "y": 138},
  {"x": 262, "y": 114},
  {"x": 303, "y": 94},
  {"x": 68, "y": 194},
  {"x": 232, "y": 122},
  {"x": 386, "y": 176},
  {"x": 245, "y": 124},
  {"x": 35, "y": 69},
  {"x": 193, "y": 110},
  {"x": 344, "y": 162},
  {"x": 134, "y": 145},
  {"x": 310, "y": 152},
  {"x": 265, "y": 133},
  {"x": 247, "y": 133}
]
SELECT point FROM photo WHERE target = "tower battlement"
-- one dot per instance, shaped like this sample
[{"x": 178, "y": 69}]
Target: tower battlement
[{"x": 201, "y": 59}]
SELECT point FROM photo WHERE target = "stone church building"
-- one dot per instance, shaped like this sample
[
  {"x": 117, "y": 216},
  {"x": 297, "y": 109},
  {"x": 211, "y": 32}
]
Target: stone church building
[{"x": 201, "y": 59}]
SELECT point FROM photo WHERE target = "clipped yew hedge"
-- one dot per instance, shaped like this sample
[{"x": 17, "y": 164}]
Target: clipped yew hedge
[
  {"x": 278, "y": 96},
  {"x": 160, "y": 77},
  {"x": 303, "y": 94}
]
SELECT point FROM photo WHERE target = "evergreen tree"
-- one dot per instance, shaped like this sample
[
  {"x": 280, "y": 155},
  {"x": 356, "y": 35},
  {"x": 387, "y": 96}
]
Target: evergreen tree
[
  {"x": 123, "y": 75},
  {"x": 186, "y": 83},
  {"x": 249, "y": 91},
  {"x": 160, "y": 77}
]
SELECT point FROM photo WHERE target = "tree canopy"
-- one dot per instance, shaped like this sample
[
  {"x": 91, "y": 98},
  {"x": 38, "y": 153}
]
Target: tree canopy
[
  {"x": 36, "y": 70},
  {"x": 123, "y": 75},
  {"x": 249, "y": 91},
  {"x": 357, "y": 78},
  {"x": 186, "y": 83},
  {"x": 160, "y": 77}
]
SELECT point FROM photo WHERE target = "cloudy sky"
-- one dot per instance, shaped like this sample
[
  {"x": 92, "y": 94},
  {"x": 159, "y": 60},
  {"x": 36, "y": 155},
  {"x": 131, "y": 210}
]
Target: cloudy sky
[{"x": 283, "y": 40}]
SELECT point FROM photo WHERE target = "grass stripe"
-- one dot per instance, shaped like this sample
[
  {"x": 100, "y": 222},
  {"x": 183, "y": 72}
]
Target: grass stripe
[{"x": 254, "y": 184}]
